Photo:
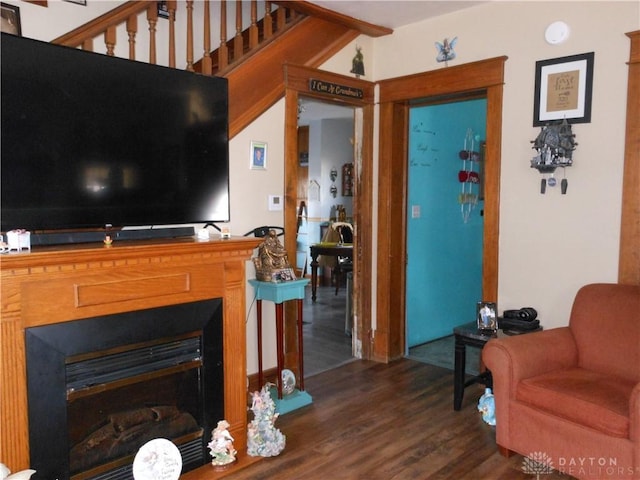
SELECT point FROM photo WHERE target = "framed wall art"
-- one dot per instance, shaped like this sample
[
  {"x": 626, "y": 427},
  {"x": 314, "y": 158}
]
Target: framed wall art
[
  {"x": 563, "y": 88},
  {"x": 10, "y": 18},
  {"x": 258, "y": 156}
]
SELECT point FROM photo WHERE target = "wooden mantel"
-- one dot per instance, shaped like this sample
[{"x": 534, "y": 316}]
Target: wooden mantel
[{"x": 58, "y": 284}]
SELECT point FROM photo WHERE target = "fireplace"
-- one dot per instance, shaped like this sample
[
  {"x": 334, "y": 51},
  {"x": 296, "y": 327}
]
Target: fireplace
[{"x": 100, "y": 388}]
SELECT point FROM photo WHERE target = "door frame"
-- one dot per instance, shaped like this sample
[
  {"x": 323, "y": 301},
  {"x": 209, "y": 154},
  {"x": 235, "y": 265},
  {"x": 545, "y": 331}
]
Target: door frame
[
  {"x": 484, "y": 77},
  {"x": 297, "y": 81}
]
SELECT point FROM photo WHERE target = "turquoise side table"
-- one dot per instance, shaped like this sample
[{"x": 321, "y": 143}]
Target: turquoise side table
[{"x": 278, "y": 293}]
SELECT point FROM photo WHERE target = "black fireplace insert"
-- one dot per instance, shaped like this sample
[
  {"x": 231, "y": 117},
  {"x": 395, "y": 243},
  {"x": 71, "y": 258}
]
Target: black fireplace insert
[{"x": 99, "y": 388}]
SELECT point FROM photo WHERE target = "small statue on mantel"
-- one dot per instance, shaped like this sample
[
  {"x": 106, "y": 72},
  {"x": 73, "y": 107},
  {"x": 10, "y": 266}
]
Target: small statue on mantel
[
  {"x": 221, "y": 445},
  {"x": 272, "y": 262}
]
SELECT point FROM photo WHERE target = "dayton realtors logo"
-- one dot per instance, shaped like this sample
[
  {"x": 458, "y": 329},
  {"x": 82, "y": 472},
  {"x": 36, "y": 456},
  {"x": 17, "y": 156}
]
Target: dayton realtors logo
[{"x": 539, "y": 463}]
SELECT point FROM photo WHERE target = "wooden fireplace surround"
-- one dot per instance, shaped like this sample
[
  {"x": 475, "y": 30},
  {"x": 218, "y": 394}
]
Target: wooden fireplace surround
[{"x": 58, "y": 284}]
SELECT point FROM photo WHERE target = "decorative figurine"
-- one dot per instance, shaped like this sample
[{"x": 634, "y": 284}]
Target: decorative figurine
[
  {"x": 445, "y": 50},
  {"x": 487, "y": 406},
  {"x": 263, "y": 439},
  {"x": 221, "y": 445},
  {"x": 358, "y": 63},
  {"x": 272, "y": 262}
]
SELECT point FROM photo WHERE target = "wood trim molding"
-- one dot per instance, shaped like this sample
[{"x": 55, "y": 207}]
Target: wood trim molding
[
  {"x": 484, "y": 77},
  {"x": 629, "y": 261},
  {"x": 296, "y": 80},
  {"x": 317, "y": 11}
]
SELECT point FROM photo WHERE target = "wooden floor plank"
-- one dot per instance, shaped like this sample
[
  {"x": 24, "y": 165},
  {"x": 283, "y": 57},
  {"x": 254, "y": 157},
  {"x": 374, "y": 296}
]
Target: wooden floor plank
[{"x": 385, "y": 422}]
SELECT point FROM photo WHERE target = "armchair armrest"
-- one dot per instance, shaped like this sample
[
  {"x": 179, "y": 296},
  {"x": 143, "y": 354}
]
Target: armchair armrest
[{"x": 523, "y": 356}]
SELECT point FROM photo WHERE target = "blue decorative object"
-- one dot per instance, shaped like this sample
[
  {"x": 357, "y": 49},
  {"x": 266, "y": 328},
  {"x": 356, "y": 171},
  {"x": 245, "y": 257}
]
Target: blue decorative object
[{"x": 487, "y": 406}]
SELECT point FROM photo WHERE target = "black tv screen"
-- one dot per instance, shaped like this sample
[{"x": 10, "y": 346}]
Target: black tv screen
[{"x": 90, "y": 140}]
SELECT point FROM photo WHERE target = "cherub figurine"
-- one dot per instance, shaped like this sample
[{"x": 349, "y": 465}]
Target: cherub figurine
[{"x": 221, "y": 445}]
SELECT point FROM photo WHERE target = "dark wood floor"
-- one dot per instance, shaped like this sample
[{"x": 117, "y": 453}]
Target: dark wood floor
[
  {"x": 386, "y": 421},
  {"x": 326, "y": 345}
]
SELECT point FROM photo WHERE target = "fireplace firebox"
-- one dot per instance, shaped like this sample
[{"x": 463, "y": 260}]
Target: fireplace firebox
[{"x": 99, "y": 388}]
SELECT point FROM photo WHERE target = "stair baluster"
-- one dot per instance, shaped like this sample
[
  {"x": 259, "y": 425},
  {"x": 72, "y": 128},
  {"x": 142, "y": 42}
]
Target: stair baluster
[{"x": 152, "y": 19}]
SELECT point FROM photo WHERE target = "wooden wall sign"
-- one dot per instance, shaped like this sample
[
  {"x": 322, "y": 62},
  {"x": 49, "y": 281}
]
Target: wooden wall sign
[{"x": 335, "y": 89}]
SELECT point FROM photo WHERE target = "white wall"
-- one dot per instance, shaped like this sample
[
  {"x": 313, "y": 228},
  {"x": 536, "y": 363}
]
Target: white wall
[{"x": 549, "y": 244}]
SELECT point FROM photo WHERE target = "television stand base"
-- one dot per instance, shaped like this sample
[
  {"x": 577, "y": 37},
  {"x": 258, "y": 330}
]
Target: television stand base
[{"x": 63, "y": 238}]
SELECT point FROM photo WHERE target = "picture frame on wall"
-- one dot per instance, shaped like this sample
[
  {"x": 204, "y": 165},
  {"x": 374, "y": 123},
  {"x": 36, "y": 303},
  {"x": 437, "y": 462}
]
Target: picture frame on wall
[
  {"x": 486, "y": 314},
  {"x": 563, "y": 89},
  {"x": 258, "y": 156},
  {"x": 10, "y": 19}
]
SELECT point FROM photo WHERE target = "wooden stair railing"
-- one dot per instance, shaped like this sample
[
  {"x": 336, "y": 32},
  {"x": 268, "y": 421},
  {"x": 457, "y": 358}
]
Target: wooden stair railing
[
  {"x": 229, "y": 51},
  {"x": 252, "y": 59}
]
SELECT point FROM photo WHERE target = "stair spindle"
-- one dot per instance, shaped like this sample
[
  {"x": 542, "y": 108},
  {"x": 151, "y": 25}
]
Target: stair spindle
[
  {"x": 152, "y": 19},
  {"x": 87, "y": 45},
  {"x": 171, "y": 7},
  {"x": 268, "y": 21},
  {"x": 281, "y": 18},
  {"x": 223, "y": 50},
  {"x": 253, "y": 29},
  {"x": 238, "y": 43},
  {"x": 110, "y": 40},
  {"x": 132, "y": 30},
  {"x": 190, "y": 35},
  {"x": 206, "y": 56}
]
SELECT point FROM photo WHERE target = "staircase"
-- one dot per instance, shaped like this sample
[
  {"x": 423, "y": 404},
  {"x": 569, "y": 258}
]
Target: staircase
[{"x": 267, "y": 36}]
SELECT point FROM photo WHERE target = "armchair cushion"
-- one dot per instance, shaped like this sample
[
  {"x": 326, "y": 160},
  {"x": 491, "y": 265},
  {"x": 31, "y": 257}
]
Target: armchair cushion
[{"x": 582, "y": 396}]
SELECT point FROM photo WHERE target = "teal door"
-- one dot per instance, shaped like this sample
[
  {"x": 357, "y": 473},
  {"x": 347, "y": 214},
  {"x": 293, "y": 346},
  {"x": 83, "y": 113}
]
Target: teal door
[{"x": 445, "y": 223}]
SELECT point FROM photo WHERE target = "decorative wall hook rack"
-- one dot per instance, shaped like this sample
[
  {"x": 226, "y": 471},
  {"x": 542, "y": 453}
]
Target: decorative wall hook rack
[{"x": 554, "y": 146}]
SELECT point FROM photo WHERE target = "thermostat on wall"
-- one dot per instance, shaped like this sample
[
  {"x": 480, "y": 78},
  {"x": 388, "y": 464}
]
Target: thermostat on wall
[{"x": 275, "y": 203}]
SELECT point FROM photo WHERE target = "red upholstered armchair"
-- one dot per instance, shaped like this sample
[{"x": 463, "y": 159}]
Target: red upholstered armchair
[{"x": 571, "y": 396}]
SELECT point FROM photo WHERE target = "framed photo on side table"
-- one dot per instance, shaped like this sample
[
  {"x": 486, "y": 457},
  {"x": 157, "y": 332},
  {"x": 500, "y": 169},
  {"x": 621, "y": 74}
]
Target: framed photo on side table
[
  {"x": 258, "y": 156},
  {"x": 563, "y": 89},
  {"x": 486, "y": 313}
]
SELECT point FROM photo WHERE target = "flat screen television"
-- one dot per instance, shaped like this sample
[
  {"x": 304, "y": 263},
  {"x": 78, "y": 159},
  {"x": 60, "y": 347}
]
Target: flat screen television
[{"x": 89, "y": 141}]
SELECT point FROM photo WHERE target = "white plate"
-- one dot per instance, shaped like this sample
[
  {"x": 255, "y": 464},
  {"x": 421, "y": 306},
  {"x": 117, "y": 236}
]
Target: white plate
[{"x": 158, "y": 459}]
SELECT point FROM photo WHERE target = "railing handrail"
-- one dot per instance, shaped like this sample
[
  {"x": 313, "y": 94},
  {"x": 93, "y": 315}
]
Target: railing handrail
[{"x": 97, "y": 26}]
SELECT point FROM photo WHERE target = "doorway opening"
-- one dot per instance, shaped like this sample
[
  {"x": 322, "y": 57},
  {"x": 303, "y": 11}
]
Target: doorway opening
[
  {"x": 324, "y": 197},
  {"x": 445, "y": 223}
]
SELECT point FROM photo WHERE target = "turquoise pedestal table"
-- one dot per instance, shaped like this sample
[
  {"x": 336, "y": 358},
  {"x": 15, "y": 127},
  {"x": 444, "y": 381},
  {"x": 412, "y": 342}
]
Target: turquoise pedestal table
[{"x": 278, "y": 293}]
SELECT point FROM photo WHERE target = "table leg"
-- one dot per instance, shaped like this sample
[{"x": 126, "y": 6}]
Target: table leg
[
  {"x": 300, "y": 348},
  {"x": 314, "y": 275},
  {"x": 459, "y": 374},
  {"x": 259, "y": 322},
  {"x": 279, "y": 345}
]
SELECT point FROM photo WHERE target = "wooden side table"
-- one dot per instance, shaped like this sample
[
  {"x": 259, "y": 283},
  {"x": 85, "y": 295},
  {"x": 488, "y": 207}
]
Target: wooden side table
[
  {"x": 469, "y": 335},
  {"x": 278, "y": 293}
]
